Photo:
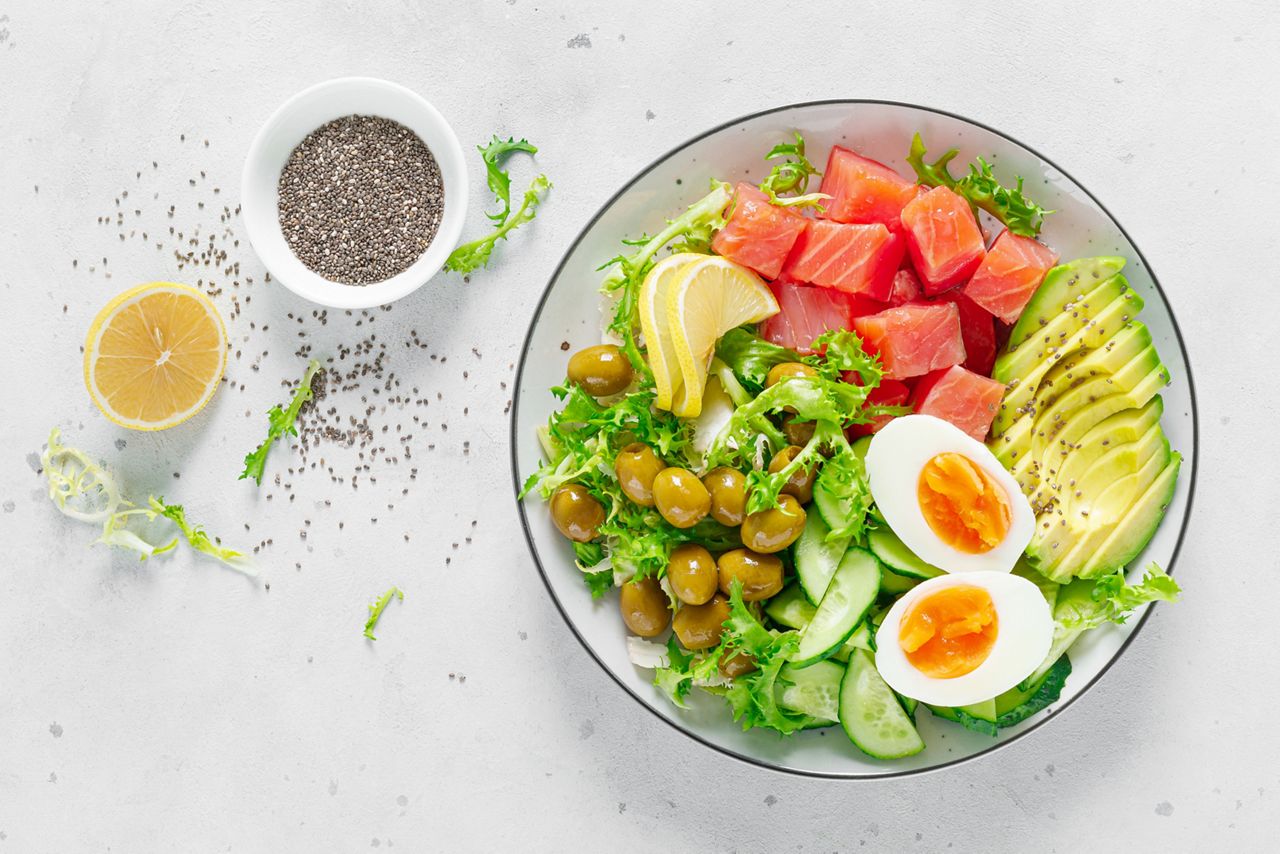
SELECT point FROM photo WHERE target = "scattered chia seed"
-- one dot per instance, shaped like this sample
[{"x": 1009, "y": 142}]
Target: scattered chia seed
[{"x": 360, "y": 199}]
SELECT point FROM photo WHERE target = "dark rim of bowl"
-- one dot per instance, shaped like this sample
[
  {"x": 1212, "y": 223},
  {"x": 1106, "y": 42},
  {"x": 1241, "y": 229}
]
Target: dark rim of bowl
[{"x": 888, "y": 774}]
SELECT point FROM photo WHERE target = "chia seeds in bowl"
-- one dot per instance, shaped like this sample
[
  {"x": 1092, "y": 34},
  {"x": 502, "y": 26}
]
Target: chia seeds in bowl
[{"x": 360, "y": 199}]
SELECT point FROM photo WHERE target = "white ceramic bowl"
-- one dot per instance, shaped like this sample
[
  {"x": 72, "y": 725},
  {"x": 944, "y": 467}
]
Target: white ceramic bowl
[
  {"x": 570, "y": 311},
  {"x": 289, "y": 125}
]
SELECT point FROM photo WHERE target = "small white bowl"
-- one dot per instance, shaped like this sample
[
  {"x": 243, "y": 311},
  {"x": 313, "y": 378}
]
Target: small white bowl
[{"x": 289, "y": 125}]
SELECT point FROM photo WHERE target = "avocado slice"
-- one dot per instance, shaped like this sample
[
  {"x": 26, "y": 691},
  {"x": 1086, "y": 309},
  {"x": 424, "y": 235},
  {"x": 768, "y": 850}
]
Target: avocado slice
[
  {"x": 1109, "y": 360},
  {"x": 1136, "y": 529},
  {"x": 1086, "y": 327},
  {"x": 1060, "y": 287},
  {"x": 1063, "y": 542},
  {"x": 1117, "y": 431}
]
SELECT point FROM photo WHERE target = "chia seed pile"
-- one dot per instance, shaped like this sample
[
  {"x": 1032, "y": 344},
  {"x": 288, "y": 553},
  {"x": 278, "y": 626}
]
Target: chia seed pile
[{"x": 360, "y": 199}]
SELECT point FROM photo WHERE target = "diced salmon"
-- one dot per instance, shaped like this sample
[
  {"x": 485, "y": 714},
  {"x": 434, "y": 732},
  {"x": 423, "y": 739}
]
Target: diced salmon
[
  {"x": 863, "y": 190},
  {"x": 1013, "y": 268},
  {"x": 977, "y": 328},
  {"x": 943, "y": 237},
  {"x": 860, "y": 259},
  {"x": 906, "y": 288},
  {"x": 914, "y": 339},
  {"x": 804, "y": 313},
  {"x": 967, "y": 400},
  {"x": 758, "y": 234}
]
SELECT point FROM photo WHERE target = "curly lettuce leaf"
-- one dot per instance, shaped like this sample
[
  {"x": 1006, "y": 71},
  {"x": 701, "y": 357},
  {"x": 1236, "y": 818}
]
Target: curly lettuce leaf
[
  {"x": 981, "y": 189},
  {"x": 117, "y": 534},
  {"x": 195, "y": 535},
  {"x": 498, "y": 179},
  {"x": 792, "y": 175},
  {"x": 280, "y": 422},
  {"x": 1112, "y": 599},
  {"x": 753, "y": 697},
  {"x": 750, "y": 357},
  {"x": 376, "y": 609},
  {"x": 471, "y": 256},
  {"x": 690, "y": 232},
  {"x": 844, "y": 478}
]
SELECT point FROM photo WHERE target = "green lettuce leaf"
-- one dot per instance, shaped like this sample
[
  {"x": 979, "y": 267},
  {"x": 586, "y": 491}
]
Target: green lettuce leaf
[
  {"x": 981, "y": 189},
  {"x": 471, "y": 256},
  {"x": 375, "y": 610},
  {"x": 750, "y": 357},
  {"x": 1111, "y": 599},
  {"x": 753, "y": 696},
  {"x": 280, "y": 422},
  {"x": 78, "y": 486},
  {"x": 792, "y": 175},
  {"x": 498, "y": 179}
]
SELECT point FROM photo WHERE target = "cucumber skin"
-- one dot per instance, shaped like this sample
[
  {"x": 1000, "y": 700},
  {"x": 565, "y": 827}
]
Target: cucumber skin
[
  {"x": 835, "y": 647},
  {"x": 882, "y": 543},
  {"x": 1044, "y": 695},
  {"x": 966, "y": 720},
  {"x": 809, "y": 548}
]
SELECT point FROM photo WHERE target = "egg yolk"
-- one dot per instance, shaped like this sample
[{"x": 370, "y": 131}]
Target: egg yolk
[
  {"x": 964, "y": 507},
  {"x": 949, "y": 633}
]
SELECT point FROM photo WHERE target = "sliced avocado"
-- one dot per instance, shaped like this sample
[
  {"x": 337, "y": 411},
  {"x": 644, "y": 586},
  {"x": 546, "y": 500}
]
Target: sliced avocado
[
  {"x": 1136, "y": 529},
  {"x": 1063, "y": 542},
  {"x": 1101, "y": 473},
  {"x": 1086, "y": 328},
  {"x": 1061, "y": 285},
  {"x": 1117, "y": 357},
  {"x": 1065, "y": 432},
  {"x": 1119, "y": 429}
]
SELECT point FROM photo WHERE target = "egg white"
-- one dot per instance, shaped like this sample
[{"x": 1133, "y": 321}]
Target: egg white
[
  {"x": 897, "y": 455},
  {"x": 1024, "y": 632}
]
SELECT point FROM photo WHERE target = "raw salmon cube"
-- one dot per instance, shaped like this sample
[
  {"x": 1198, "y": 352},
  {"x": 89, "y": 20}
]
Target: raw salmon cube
[
  {"x": 859, "y": 259},
  {"x": 758, "y": 234},
  {"x": 1009, "y": 274},
  {"x": 913, "y": 340},
  {"x": 968, "y": 400},
  {"x": 863, "y": 190},
  {"x": 804, "y": 313},
  {"x": 943, "y": 237}
]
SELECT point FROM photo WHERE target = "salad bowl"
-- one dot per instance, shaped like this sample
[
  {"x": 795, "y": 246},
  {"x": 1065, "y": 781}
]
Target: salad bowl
[{"x": 570, "y": 311}]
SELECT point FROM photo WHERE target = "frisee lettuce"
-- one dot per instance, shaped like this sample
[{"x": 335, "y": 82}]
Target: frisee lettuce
[
  {"x": 498, "y": 179},
  {"x": 88, "y": 492},
  {"x": 281, "y": 421},
  {"x": 792, "y": 176},
  {"x": 375, "y": 610},
  {"x": 753, "y": 697},
  {"x": 1112, "y": 599},
  {"x": 471, "y": 256},
  {"x": 980, "y": 188},
  {"x": 690, "y": 232}
]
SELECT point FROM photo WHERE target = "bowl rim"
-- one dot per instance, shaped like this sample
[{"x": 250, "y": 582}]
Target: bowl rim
[
  {"x": 675, "y": 724},
  {"x": 312, "y": 286}
]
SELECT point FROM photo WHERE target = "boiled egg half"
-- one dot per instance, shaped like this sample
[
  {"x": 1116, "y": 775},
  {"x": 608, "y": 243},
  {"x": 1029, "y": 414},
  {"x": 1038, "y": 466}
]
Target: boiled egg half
[
  {"x": 947, "y": 497},
  {"x": 961, "y": 639}
]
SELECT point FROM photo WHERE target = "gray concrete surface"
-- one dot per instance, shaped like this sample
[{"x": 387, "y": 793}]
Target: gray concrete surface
[{"x": 173, "y": 706}]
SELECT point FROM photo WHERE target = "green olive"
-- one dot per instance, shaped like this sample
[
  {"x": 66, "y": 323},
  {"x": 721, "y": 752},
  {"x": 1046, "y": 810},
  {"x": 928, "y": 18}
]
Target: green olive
[
  {"x": 728, "y": 490},
  {"x": 733, "y": 665},
  {"x": 759, "y": 574},
  {"x": 680, "y": 497},
  {"x": 636, "y": 467},
  {"x": 699, "y": 626},
  {"x": 645, "y": 608},
  {"x": 797, "y": 432},
  {"x": 601, "y": 370},
  {"x": 786, "y": 371},
  {"x": 800, "y": 484},
  {"x": 692, "y": 574},
  {"x": 576, "y": 513},
  {"x": 774, "y": 529}
]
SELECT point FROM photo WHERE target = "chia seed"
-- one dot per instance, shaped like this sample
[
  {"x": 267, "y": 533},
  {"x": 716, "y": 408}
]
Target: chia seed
[{"x": 360, "y": 199}]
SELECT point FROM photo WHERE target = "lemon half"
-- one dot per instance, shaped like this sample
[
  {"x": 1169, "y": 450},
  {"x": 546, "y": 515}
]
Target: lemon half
[
  {"x": 653, "y": 325},
  {"x": 154, "y": 355}
]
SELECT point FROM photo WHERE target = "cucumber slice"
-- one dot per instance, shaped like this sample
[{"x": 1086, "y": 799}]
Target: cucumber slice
[
  {"x": 789, "y": 608},
  {"x": 893, "y": 584},
  {"x": 814, "y": 691},
  {"x": 860, "y": 447},
  {"x": 862, "y": 638},
  {"x": 849, "y": 597},
  {"x": 895, "y": 555},
  {"x": 871, "y": 715},
  {"x": 834, "y": 509},
  {"x": 909, "y": 705},
  {"x": 1016, "y": 705},
  {"x": 817, "y": 558}
]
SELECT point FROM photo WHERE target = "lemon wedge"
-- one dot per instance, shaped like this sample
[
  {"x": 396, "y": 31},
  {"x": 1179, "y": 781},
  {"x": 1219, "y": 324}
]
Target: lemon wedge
[
  {"x": 154, "y": 355},
  {"x": 653, "y": 325},
  {"x": 707, "y": 299}
]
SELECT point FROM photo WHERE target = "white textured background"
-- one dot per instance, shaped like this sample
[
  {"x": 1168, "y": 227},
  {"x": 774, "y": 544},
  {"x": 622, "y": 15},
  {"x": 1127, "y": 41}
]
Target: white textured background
[{"x": 173, "y": 706}]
